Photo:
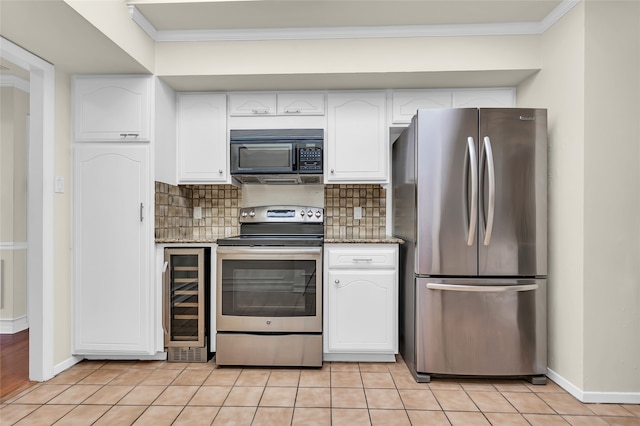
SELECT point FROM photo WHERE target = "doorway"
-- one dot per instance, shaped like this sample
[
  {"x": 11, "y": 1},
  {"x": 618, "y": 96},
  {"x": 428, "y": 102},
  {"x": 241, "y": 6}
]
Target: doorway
[
  {"x": 14, "y": 322},
  {"x": 39, "y": 201}
]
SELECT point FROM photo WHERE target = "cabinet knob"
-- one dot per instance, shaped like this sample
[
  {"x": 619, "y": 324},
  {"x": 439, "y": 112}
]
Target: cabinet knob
[
  {"x": 337, "y": 281},
  {"x": 332, "y": 171},
  {"x": 220, "y": 171}
]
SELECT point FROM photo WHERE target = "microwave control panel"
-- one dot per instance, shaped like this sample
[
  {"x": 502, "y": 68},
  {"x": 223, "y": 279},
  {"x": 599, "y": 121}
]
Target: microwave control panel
[{"x": 310, "y": 159}]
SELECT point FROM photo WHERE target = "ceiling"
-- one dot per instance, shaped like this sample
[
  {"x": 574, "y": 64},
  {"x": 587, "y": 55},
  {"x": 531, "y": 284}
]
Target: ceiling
[{"x": 179, "y": 15}]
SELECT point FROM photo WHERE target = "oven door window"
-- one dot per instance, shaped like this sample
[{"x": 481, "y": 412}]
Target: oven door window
[{"x": 269, "y": 288}]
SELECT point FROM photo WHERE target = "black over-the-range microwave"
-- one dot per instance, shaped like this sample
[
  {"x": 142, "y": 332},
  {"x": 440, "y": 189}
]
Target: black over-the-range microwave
[{"x": 276, "y": 151}]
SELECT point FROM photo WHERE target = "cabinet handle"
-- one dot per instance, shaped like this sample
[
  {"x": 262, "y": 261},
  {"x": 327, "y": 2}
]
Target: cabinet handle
[
  {"x": 141, "y": 212},
  {"x": 260, "y": 111},
  {"x": 125, "y": 135},
  {"x": 292, "y": 111},
  {"x": 362, "y": 260}
]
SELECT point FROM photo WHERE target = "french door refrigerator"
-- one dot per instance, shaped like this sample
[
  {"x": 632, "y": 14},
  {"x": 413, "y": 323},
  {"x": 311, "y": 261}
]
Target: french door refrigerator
[{"x": 470, "y": 201}]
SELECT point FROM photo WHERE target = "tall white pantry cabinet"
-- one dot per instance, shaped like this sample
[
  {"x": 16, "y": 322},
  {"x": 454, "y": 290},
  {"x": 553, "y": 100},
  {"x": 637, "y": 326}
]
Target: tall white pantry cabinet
[{"x": 115, "y": 306}]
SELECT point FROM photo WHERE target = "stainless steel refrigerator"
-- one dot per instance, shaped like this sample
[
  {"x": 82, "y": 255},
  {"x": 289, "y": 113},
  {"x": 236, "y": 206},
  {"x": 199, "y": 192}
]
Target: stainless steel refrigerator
[{"x": 470, "y": 201}]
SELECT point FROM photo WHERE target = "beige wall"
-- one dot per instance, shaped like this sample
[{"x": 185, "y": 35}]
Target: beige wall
[
  {"x": 612, "y": 197},
  {"x": 62, "y": 220},
  {"x": 559, "y": 87},
  {"x": 589, "y": 82},
  {"x": 417, "y": 54},
  {"x": 13, "y": 201}
]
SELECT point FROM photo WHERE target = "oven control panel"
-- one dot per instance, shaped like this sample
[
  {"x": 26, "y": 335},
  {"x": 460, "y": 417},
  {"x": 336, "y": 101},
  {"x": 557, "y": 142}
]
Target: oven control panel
[{"x": 295, "y": 214}]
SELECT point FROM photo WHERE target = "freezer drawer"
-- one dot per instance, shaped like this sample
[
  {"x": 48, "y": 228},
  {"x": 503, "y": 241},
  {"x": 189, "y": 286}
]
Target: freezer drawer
[{"x": 481, "y": 327}]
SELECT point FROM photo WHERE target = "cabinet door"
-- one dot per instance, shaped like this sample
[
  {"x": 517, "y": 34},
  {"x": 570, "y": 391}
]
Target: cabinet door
[
  {"x": 357, "y": 149},
  {"x": 113, "y": 220},
  {"x": 202, "y": 138},
  {"x": 252, "y": 104},
  {"x": 111, "y": 108},
  {"x": 300, "y": 103},
  {"x": 484, "y": 98},
  {"x": 362, "y": 311},
  {"x": 405, "y": 104}
]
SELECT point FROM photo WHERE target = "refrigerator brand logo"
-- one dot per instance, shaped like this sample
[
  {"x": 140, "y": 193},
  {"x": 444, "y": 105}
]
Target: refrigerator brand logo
[{"x": 527, "y": 117}]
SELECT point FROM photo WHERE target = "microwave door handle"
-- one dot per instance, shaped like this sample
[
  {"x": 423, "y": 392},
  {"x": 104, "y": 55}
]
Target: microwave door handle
[{"x": 294, "y": 157}]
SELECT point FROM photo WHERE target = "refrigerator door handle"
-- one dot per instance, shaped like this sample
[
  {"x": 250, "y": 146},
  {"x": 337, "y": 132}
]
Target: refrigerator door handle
[
  {"x": 473, "y": 214},
  {"x": 492, "y": 190},
  {"x": 482, "y": 288}
]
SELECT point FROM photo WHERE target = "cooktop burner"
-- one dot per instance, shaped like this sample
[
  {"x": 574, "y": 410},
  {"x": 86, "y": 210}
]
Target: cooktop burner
[{"x": 295, "y": 226}]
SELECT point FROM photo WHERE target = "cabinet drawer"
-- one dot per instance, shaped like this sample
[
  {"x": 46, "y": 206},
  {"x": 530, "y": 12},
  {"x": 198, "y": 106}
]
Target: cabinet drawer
[{"x": 356, "y": 259}]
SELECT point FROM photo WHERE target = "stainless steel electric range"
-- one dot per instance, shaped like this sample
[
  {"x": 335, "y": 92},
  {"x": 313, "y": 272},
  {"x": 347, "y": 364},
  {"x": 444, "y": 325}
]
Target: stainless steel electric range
[{"x": 269, "y": 288}]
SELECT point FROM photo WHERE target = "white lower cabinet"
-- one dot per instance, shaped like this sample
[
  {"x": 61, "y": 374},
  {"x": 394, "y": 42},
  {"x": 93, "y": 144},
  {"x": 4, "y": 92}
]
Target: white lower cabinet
[
  {"x": 360, "y": 302},
  {"x": 114, "y": 312}
]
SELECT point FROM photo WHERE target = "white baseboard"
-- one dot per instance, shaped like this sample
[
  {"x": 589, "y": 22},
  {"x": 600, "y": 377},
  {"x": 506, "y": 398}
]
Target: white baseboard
[
  {"x": 15, "y": 325},
  {"x": 351, "y": 357},
  {"x": 594, "y": 397},
  {"x": 159, "y": 356},
  {"x": 66, "y": 364}
]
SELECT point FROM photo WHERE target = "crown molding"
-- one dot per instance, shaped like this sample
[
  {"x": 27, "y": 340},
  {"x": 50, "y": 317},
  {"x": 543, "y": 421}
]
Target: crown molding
[
  {"x": 325, "y": 33},
  {"x": 8, "y": 80}
]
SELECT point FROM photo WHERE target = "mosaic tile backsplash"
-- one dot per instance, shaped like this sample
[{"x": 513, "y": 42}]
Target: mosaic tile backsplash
[
  {"x": 220, "y": 206},
  {"x": 339, "y": 201}
]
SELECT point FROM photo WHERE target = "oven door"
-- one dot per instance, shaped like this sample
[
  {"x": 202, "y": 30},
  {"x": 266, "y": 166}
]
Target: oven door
[{"x": 269, "y": 289}]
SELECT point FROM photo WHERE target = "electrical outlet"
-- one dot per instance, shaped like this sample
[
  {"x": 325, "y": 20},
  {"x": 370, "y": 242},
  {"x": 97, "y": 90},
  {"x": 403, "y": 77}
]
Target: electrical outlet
[
  {"x": 357, "y": 212},
  {"x": 197, "y": 212}
]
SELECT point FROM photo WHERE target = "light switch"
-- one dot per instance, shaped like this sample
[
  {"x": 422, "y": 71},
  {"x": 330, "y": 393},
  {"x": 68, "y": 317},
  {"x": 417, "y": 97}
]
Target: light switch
[
  {"x": 197, "y": 212},
  {"x": 357, "y": 212},
  {"x": 59, "y": 185}
]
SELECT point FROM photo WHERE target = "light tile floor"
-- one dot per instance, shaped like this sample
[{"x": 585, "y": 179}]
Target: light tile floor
[{"x": 162, "y": 393}]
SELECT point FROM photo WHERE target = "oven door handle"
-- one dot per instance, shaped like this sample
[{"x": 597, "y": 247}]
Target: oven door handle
[{"x": 252, "y": 251}]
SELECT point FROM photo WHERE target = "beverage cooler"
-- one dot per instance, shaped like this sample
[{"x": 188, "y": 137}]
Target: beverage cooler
[{"x": 185, "y": 308}]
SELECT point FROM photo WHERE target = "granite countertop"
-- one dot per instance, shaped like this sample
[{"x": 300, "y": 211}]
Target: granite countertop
[
  {"x": 186, "y": 241},
  {"x": 380, "y": 240}
]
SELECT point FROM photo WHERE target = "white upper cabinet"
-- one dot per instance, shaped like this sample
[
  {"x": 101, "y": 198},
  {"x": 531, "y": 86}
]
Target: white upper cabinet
[
  {"x": 112, "y": 108},
  {"x": 300, "y": 103},
  {"x": 405, "y": 103},
  {"x": 202, "y": 138},
  {"x": 252, "y": 104},
  {"x": 484, "y": 98},
  {"x": 356, "y": 148},
  {"x": 281, "y": 104}
]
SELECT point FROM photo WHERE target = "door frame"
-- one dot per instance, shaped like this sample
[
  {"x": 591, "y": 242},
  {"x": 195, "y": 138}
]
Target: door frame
[{"x": 40, "y": 208}]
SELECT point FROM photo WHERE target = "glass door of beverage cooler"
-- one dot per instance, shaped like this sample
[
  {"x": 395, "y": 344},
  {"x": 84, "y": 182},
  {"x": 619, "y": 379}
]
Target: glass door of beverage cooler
[{"x": 184, "y": 298}]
